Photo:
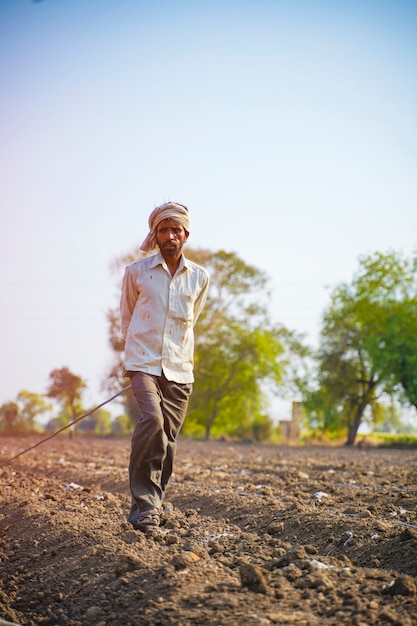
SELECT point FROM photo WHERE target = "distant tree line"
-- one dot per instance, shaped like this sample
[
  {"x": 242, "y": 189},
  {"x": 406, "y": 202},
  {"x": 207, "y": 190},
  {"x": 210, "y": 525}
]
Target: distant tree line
[
  {"x": 364, "y": 369},
  {"x": 65, "y": 388}
]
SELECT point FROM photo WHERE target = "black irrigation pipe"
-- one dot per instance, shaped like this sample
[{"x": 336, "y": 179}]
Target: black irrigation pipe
[{"x": 78, "y": 419}]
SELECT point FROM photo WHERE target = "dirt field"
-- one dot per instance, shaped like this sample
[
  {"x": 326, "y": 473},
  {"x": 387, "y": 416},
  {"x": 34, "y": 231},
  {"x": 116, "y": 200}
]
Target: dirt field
[{"x": 252, "y": 535}]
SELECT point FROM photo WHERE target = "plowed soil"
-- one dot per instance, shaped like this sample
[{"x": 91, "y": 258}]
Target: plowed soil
[{"x": 252, "y": 535}]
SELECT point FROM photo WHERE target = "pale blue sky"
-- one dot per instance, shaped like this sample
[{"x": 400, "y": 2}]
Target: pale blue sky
[{"x": 287, "y": 127}]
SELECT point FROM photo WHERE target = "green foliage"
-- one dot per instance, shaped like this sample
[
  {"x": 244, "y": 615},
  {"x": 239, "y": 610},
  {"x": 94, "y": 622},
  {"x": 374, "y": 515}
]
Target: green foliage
[
  {"x": 230, "y": 367},
  {"x": 31, "y": 405},
  {"x": 390, "y": 440},
  {"x": 321, "y": 407},
  {"x": 19, "y": 417},
  {"x": 64, "y": 417},
  {"x": 122, "y": 425},
  {"x": 368, "y": 344},
  {"x": 237, "y": 350},
  {"x": 98, "y": 423},
  {"x": 387, "y": 418},
  {"x": 238, "y": 291},
  {"x": 262, "y": 429},
  {"x": 394, "y": 348},
  {"x": 391, "y": 322}
]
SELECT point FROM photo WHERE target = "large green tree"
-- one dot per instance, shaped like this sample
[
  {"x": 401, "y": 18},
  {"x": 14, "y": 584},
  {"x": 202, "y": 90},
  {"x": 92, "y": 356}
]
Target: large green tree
[
  {"x": 368, "y": 343},
  {"x": 231, "y": 366},
  {"x": 394, "y": 348},
  {"x": 391, "y": 323}
]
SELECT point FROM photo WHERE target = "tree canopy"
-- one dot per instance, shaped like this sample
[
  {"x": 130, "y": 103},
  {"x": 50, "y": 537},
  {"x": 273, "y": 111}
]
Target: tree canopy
[
  {"x": 66, "y": 388},
  {"x": 368, "y": 343}
]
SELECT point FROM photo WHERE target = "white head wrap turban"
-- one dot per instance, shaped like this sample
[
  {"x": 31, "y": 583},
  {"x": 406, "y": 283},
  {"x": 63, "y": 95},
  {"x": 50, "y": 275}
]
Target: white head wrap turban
[{"x": 170, "y": 210}]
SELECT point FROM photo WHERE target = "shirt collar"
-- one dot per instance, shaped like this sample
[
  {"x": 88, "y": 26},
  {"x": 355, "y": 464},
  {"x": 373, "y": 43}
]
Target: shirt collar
[{"x": 158, "y": 259}]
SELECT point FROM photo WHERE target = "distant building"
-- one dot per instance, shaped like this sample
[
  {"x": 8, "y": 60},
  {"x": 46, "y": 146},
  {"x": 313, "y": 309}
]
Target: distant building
[{"x": 290, "y": 429}]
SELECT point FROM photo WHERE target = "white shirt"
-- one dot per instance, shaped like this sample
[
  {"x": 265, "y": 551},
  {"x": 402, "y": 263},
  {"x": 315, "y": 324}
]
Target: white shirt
[{"x": 158, "y": 313}]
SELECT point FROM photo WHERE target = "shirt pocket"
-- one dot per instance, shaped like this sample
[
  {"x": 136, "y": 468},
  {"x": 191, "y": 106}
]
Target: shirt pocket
[{"x": 184, "y": 307}]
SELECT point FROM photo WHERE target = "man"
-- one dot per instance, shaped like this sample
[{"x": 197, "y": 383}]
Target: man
[{"x": 162, "y": 297}]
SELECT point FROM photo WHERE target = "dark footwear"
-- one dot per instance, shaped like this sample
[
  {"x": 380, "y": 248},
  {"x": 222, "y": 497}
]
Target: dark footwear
[{"x": 146, "y": 520}]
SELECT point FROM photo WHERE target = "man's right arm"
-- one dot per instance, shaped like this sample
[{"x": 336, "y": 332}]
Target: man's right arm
[{"x": 127, "y": 300}]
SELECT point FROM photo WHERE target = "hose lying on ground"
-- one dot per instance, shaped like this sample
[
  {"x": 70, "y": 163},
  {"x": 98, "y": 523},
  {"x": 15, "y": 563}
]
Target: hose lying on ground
[{"x": 78, "y": 419}]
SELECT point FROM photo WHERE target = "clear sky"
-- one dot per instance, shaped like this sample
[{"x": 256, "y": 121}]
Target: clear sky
[{"x": 288, "y": 127}]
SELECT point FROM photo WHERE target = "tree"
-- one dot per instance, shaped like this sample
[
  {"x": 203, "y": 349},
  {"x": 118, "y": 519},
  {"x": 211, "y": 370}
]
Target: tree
[
  {"x": 230, "y": 367},
  {"x": 391, "y": 329},
  {"x": 322, "y": 411},
  {"x": 368, "y": 342},
  {"x": 8, "y": 415},
  {"x": 394, "y": 349},
  {"x": 98, "y": 423},
  {"x": 387, "y": 418},
  {"x": 30, "y": 406},
  {"x": 237, "y": 350},
  {"x": 345, "y": 370},
  {"x": 66, "y": 388},
  {"x": 122, "y": 425},
  {"x": 19, "y": 416}
]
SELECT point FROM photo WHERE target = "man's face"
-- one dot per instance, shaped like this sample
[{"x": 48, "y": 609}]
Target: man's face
[{"x": 170, "y": 237}]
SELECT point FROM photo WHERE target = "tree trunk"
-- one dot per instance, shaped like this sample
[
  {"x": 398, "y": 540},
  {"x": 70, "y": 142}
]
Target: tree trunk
[
  {"x": 354, "y": 426},
  {"x": 360, "y": 409},
  {"x": 209, "y": 424}
]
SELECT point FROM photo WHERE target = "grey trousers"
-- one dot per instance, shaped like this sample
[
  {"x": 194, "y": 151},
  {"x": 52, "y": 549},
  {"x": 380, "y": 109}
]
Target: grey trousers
[{"x": 163, "y": 406}]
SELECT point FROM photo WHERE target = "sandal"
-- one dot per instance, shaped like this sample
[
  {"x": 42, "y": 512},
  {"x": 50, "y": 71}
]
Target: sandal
[{"x": 146, "y": 520}]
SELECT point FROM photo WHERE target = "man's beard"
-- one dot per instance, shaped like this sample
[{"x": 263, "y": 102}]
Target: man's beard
[{"x": 171, "y": 249}]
